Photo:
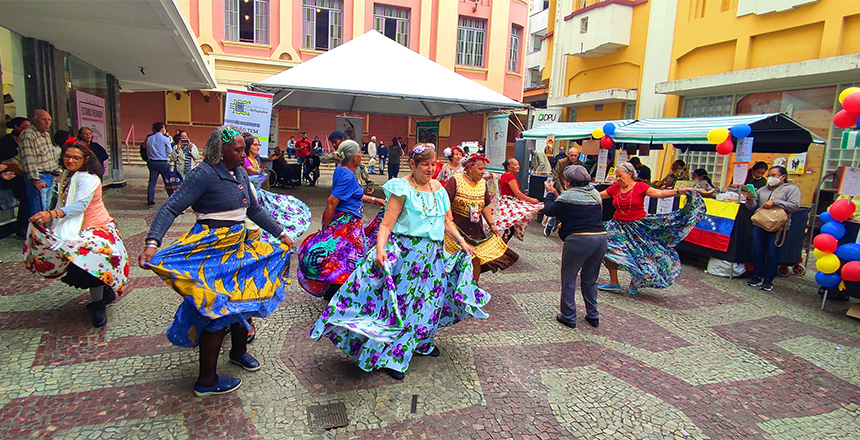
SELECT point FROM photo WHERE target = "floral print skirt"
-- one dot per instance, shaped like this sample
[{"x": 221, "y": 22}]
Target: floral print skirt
[
  {"x": 224, "y": 276},
  {"x": 514, "y": 213},
  {"x": 98, "y": 252},
  {"x": 644, "y": 247},
  {"x": 291, "y": 213},
  {"x": 381, "y": 316},
  {"x": 329, "y": 256}
]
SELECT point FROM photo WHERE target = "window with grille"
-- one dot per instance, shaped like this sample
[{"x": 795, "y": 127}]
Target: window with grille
[
  {"x": 534, "y": 79},
  {"x": 514, "y": 55},
  {"x": 835, "y": 156},
  {"x": 471, "y": 37},
  {"x": 572, "y": 117},
  {"x": 246, "y": 21},
  {"x": 716, "y": 164},
  {"x": 322, "y": 24},
  {"x": 722, "y": 105},
  {"x": 393, "y": 22}
]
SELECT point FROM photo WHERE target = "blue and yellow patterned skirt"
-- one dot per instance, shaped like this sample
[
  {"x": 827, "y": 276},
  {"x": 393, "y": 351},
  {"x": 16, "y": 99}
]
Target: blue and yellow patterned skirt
[{"x": 224, "y": 277}]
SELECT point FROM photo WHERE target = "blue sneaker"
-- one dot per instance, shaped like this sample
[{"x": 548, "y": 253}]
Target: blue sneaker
[
  {"x": 609, "y": 287},
  {"x": 246, "y": 361},
  {"x": 225, "y": 385}
]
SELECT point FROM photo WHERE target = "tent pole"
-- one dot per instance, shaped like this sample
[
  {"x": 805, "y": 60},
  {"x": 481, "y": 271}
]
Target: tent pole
[
  {"x": 280, "y": 100},
  {"x": 429, "y": 113}
]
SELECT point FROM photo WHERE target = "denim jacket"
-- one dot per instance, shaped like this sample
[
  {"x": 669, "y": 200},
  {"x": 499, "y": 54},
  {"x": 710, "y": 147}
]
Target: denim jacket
[{"x": 207, "y": 189}]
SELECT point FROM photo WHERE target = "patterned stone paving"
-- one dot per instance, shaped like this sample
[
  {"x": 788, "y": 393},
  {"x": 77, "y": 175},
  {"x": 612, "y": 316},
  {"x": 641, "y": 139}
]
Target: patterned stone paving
[{"x": 706, "y": 358}]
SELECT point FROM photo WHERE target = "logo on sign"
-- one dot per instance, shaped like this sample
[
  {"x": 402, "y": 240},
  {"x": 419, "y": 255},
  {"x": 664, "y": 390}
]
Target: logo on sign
[
  {"x": 242, "y": 107},
  {"x": 547, "y": 117}
]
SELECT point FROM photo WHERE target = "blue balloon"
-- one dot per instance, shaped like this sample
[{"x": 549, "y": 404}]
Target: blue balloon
[
  {"x": 825, "y": 217},
  {"x": 609, "y": 129},
  {"x": 828, "y": 279},
  {"x": 740, "y": 131},
  {"x": 857, "y": 124},
  {"x": 848, "y": 252},
  {"x": 834, "y": 228}
]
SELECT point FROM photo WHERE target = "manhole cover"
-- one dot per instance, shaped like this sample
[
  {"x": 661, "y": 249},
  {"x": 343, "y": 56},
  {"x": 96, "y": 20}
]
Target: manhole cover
[{"x": 332, "y": 415}]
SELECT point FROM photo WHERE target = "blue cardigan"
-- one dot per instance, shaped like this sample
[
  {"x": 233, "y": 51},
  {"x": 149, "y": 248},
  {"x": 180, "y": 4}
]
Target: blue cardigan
[{"x": 211, "y": 188}]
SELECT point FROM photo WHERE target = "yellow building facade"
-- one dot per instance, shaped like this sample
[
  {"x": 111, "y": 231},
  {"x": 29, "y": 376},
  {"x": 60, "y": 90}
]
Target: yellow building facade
[{"x": 692, "y": 58}]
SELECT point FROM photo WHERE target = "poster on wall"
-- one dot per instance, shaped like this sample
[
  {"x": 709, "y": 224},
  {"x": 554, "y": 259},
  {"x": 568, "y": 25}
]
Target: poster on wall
[
  {"x": 91, "y": 113},
  {"x": 428, "y": 126},
  {"x": 497, "y": 141},
  {"x": 548, "y": 145},
  {"x": 353, "y": 127},
  {"x": 602, "y": 163},
  {"x": 744, "y": 150},
  {"x": 739, "y": 175},
  {"x": 796, "y": 163},
  {"x": 250, "y": 112}
]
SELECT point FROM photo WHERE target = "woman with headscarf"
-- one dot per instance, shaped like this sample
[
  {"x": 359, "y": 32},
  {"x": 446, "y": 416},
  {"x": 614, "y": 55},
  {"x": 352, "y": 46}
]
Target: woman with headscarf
[
  {"x": 328, "y": 257},
  {"x": 82, "y": 243},
  {"x": 223, "y": 275},
  {"x": 515, "y": 210},
  {"x": 470, "y": 207},
  {"x": 580, "y": 210},
  {"x": 640, "y": 242},
  {"x": 455, "y": 156},
  {"x": 407, "y": 287}
]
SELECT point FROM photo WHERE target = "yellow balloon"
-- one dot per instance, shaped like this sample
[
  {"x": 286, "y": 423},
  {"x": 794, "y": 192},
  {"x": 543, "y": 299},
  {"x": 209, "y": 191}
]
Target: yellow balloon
[
  {"x": 828, "y": 263},
  {"x": 818, "y": 254},
  {"x": 718, "y": 135},
  {"x": 597, "y": 133},
  {"x": 847, "y": 92}
]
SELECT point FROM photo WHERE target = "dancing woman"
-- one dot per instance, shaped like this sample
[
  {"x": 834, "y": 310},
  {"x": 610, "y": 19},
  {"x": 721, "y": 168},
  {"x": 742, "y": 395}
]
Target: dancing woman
[
  {"x": 224, "y": 276},
  {"x": 455, "y": 155},
  {"x": 640, "y": 242},
  {"x": 406, "y": 288},
  {"x": 515, "y": 210}
]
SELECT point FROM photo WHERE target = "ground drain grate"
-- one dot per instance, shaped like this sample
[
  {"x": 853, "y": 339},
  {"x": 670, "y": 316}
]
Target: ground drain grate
[{"x": 332, "y": 415}]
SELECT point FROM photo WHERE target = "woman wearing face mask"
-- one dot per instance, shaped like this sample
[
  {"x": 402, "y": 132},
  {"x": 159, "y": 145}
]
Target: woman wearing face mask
[
  {"x": 765, "y": 250},
  {"x": 470, "y": 204},
  {"x": 640, "y": 242},
  {"x": 407, "y": 288}
]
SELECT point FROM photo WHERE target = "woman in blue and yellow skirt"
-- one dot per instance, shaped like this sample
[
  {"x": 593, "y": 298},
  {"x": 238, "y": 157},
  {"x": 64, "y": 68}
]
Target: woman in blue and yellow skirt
[
  {"x": 224, "y": 276},
  {"x": 407, "y": 287}
]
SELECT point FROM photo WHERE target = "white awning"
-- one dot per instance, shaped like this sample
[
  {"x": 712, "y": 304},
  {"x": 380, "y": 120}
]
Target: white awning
[
  {"x": 347, "y": 78},
  {"x": 570, "y": 130},
  {"x": 146, "y": 45}
]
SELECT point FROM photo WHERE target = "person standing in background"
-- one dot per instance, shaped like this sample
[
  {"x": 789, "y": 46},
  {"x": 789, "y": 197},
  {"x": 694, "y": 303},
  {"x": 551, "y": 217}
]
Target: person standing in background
[
  {"x": 39, "y": 161},
  {"x": 382, "y": 151},
  {"x": 157, "y": 150},
  {"x": 9, "y": 156},
  {"x": 395, "y": 151},
  {"x": 303, "y": 147},
  {"x": 642, "y": 171},
  {"x": 371, "y": 148}
]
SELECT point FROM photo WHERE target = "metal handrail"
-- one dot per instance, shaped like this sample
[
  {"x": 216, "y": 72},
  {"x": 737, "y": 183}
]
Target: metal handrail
[{"x": 127, "y": 146}]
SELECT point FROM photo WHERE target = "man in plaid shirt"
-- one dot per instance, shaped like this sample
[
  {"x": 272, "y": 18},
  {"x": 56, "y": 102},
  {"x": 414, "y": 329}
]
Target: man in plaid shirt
[{"x": 39, "y": 161}]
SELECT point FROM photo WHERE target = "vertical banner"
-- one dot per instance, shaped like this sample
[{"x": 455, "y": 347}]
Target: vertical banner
[
  {"x": 602, "y": 164},
  {"x": 91, "y": 113},
  {"x": 497, "y": 141},
  {"x": 432, "y": 126},
  {"x": 250, "y": 112},
  {"x": 544, "y": 116},
  {"x": 353, "y": 127}
]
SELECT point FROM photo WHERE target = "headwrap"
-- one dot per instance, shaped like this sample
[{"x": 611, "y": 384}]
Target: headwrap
[
  {"x": 450, "y": 151},
  {"x": 576, "y": 173},
  {"x": 472, "y": 159},
  {"x": 421, "y": 148},
  {"x": 229, "y": 134},
  {"x": 346, "y": 149}
]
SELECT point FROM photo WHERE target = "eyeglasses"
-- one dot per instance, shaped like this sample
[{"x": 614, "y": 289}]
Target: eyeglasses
[{"x": 74, "y": 158}]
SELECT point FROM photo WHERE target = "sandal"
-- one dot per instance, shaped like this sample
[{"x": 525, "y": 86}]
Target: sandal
[{"x": 632, "y": 290}]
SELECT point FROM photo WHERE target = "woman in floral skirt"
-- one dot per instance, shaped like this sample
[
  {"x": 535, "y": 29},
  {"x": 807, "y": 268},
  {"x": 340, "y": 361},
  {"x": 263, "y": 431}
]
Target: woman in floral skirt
[
  {"x": 83, "y": 234},
  {"x": 407, "y": 287}
]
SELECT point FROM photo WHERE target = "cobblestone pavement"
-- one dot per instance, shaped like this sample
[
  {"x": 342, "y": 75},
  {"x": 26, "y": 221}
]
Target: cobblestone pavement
[{"x": 706, "y": 358}]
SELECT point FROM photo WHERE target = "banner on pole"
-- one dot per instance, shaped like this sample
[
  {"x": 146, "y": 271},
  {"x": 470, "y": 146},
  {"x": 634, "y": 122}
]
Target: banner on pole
[
  {"x": 497, "y": 141},
  {"x": 352, "y": 126},
  {"x": 250, "y": 112}
]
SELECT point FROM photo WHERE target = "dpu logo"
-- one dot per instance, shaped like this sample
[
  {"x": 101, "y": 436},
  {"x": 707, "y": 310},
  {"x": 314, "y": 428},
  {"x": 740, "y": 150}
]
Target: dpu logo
[
  {"x": 240, "y": 109},
  {"x": 547, "y": 117}
]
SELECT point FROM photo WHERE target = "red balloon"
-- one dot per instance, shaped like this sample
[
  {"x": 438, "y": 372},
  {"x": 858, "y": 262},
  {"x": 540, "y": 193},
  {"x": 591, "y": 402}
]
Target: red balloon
[
  {"x": 851, "y": 103},
  {"x": 825, "y": 243},
  {"x": 606, "y": 142},
  {"x": 842, "y": 210},
  {"x": 850, "y": 271},
  {"x": 844, "y": 118},
  {"x": 725, "y": 147}
]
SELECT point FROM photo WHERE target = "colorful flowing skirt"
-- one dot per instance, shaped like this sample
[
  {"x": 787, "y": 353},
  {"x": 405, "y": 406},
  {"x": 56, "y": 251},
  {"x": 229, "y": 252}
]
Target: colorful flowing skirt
[
  {"x": 511, "y": 212},
  {"x": 224, "y": 277},
  {"x": 98, "y": 253},
  {"x": 291, "y": 213},
  {"x": 644, "y": 247},
  {"x": 492, "y": 252},
  {"x": 329, "y": 256},
  {"x": 381, "y": 316}
]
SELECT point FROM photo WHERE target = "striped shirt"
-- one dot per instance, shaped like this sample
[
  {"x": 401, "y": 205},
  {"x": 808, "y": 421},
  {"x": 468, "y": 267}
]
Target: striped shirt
[{"x": 38, "y": 154}]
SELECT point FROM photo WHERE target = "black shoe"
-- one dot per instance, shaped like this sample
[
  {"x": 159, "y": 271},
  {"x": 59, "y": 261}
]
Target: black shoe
[
  {"x": 547, "y": 230},
  {"x": 396, "y": 375},
  {"x": 754, "y": 281},
  {"x": 251, "y": 337},
  {"x": 98, "y": 313},
  {"x": 109, "y": 295},
  {"x": 565, "y": 321},
  {"x": 593, "y": 321},
  {"x": 21, "y": 235},
  {"x": 767, "y": 286},
  {"x": 435, "y": 353},
  {"x": 148, "y": 203}
]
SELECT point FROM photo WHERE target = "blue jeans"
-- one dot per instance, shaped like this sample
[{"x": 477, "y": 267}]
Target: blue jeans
[
  {"x": 765, "y": 254},
  {"x": 156, "y": 168},
  {"x": 40, "y": 199}
]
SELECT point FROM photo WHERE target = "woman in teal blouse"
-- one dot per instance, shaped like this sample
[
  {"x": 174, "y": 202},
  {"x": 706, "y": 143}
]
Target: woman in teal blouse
[{"x": 407, "y": 287}]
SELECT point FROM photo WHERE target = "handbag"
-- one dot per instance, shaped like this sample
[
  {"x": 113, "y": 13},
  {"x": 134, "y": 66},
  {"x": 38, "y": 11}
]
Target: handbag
[{"x": 772, "y": 219}]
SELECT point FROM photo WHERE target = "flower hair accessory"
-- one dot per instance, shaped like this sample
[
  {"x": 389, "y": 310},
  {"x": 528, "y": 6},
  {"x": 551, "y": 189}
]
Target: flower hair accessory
[
  {"x": 472, "y": 159},
  {"x": 228, "y": 135},
  {"x": 421, "y": 148},
  {"x": 70, "y": 140}
]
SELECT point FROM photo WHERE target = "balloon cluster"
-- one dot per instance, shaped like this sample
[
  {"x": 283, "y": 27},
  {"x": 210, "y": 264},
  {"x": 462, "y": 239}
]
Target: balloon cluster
[
  {"x": 836, "y": 263},
  {"x": 720, "y": 137},
  {"x": 604, "y": 134},
  {"x": 849, "y": 116}
]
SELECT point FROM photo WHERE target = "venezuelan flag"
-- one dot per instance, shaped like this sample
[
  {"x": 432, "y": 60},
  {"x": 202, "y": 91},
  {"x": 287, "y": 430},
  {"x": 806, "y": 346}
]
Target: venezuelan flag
[{"x": 715, "y": 230}]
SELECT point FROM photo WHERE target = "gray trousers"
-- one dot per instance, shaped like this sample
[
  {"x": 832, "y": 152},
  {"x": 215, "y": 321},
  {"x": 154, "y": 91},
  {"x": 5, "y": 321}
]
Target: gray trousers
[{"x": 582, "y": 255}]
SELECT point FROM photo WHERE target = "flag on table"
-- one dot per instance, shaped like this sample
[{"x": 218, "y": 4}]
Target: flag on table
[{"x": 715, "y": 230}]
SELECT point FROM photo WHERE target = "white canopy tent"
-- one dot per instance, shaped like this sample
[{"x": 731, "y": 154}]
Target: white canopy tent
[{"x": 342, "y": 80}]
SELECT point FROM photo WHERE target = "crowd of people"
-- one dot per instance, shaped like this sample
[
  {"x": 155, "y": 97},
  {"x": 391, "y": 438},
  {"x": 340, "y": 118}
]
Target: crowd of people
[{"x": 391, "y": 283}]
